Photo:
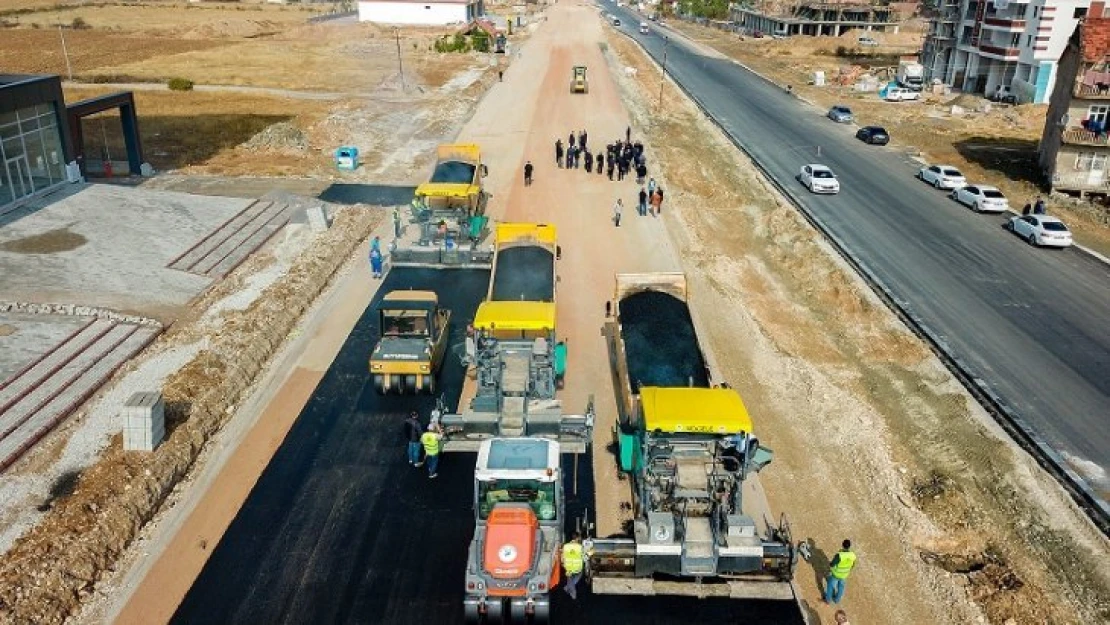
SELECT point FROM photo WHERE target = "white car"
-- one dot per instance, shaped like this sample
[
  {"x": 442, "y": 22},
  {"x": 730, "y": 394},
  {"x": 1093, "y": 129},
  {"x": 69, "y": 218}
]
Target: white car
[
  {"x": 942, "y": 176},
  {"x": 819, "y": 179},
  {"x": 900, "y": 94},
  {"x": 1040, "y": 230},
  {"x": 981, "y": 199}
]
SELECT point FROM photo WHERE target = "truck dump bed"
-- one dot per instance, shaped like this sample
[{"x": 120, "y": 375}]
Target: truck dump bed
[{"x": 524, "y": 264}]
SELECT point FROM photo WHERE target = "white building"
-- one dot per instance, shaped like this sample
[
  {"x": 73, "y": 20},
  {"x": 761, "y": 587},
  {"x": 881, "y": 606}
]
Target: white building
[
  {"x": 419, "y": 12},
  {"x": 978, "y": 46}
]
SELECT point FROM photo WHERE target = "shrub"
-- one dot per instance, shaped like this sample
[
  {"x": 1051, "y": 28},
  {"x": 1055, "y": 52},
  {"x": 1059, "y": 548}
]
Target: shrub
[
  {"x": 79, "y": 24},
  {"x": 180, "y": 84},
  {"x": 480, "y": 41}
]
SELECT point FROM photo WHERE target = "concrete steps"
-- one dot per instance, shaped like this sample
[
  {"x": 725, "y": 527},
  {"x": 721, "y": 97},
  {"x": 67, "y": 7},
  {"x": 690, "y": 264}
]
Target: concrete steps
[
  {"x": 219, "y": 253},
  {"x": 46, "y": 391}
]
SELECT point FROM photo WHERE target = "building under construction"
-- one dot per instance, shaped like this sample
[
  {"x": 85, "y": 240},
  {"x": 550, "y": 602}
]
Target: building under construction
[{"x": 815, "y": 18}]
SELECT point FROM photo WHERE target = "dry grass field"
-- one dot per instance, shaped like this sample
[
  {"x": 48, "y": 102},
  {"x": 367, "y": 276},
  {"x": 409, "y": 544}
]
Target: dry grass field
[{"x": 189, "y": 20}]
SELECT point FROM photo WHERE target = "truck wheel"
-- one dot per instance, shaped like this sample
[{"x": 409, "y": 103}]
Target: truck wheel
[
  {"x": 430, "y": 384},
  {"x": 395, "y": 384},
  {"x": 542, "y": 615},
  {"x": 495, "y": 612},
  {"x": 379, "y": 384},
  {"x": 410, "y": 384},
  {"x": 471, "y": 615}
]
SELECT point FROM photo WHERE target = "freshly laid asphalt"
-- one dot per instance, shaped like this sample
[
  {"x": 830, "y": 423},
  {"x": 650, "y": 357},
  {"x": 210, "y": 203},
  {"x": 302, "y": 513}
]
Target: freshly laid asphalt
[
  {"x": 1031, "y": 324},
  {"x": 339, "y": 529}
]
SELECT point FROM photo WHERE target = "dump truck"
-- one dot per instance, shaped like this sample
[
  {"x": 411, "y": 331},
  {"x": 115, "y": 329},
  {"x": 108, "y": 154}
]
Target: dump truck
[
  {"x": 520, "y": 362},
  {"x": 414, "y": 333},
  {"x": 687, "y": 444},
  {"x": 513, "y": 560},
  {"x": 453, "y": 194},
  {"x": 578, "y": 82}
]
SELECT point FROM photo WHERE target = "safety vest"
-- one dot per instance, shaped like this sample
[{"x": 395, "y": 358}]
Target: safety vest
[
  {"x": 572, "y": 558},
  {"x": 430, "y": 441},
  {"x": 845, "y": 561}
]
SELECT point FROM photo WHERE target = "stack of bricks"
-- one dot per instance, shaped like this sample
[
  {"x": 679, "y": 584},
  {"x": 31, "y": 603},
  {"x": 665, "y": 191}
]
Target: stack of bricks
[{"x": 144, "y": 423}]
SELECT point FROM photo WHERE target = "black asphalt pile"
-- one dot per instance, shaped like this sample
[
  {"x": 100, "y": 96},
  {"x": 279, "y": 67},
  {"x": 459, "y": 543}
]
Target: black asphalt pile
[
  {"x": 659, "y": 342},
  {"x": 524, "y": 274},
  {"x": 453, "y": 172}
]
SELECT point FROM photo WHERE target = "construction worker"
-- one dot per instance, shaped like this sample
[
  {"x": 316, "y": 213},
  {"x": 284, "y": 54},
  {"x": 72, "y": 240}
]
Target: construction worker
[
  {"x": 574, "y": 563},
  {"x": 617, "y": 209},
  {"x": 433, "y": 444},
  {"x": 842, "y": 564},
  {"x": 528, "y": 174},
  {"x": 376, "y": 261},
  {"x": 413, "y": 432}
]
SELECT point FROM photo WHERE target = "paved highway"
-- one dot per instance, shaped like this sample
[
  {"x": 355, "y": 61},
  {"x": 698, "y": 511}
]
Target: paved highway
[
  {"x": 1030, "y": 323},
  {"x": 339, "y": 529}
]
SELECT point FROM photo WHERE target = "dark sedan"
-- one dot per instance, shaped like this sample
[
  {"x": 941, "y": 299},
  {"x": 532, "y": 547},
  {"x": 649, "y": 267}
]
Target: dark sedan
[{"x": 873, "y": 135}]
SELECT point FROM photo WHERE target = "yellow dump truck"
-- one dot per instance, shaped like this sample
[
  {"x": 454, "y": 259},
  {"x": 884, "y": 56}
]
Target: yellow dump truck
[
  {"x": 578, "y": 82},
  {"x": 686, "y": 442},
  {"x": 413, "y": 343}
]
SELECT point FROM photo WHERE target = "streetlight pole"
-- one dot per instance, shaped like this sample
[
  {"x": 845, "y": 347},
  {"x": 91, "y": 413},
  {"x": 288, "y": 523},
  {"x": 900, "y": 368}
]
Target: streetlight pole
[
  {"x": 663, "y": 76},
  {"x": 400, "y": 67},
  {"x": 65, "y": 52}
]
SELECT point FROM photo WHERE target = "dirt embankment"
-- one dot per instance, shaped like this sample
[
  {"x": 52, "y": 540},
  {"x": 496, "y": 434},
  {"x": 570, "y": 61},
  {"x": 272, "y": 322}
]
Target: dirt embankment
[
  {"x": 52, "y": 568},
  {"x": 996, "y": 146},
  {"x": 874, "y": 439}
]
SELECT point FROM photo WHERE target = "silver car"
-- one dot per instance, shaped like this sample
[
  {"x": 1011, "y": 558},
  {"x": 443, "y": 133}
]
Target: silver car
[{"x": 841, "y": 114}]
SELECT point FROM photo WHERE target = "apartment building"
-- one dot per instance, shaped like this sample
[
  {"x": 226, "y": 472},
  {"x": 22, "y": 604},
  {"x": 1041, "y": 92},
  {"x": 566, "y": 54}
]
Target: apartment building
[
  {"x": 1075, "y": 146},
  {"x": 983, "y": 46}
]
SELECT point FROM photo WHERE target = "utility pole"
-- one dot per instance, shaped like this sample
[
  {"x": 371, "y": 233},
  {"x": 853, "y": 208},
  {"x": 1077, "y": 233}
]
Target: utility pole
[
  {"x": 400, "y": 67},
  {"x": 65, "y": 52},
  {"x": 663, "y": 77}
]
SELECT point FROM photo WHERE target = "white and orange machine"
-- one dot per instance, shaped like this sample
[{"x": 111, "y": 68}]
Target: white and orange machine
[{"x": 513, "y": 562}]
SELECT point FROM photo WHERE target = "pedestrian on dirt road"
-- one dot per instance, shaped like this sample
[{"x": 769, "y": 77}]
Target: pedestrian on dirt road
[
  {"x": 643, "y": 202},
  {"x": 570, "y": 157},
  {"x": 641, "y": 173},
  {"x": 528, "y": 174},
  {"x": 628, "y": 134},
  {"x": 577, "y": 156},
  {"x": 432, "y": 440},
  {"x": 574, "y": 563},
  {"x": 500, "y": 73},
  {"x": 651, "y": 186},
  {"x": 600, "y": 162},
  {"x": 571, "y": 139},
  {"x": 582, "y": 139},
  {"x": 617, "y": 209},
  {"x": 1027, "y": 209},
  {"x": 1038, "y": 207},
  {"x": 842, "y": 564},
  {"x": 654, "y": 202},
  {"x": 413, "y": 431},
  {"x": 559, "y": 153},
  {"x": 659, "y": 203},
  {"x": 589, "y": 158},
  {"x": 612, "y": 166},
  {"x": 376, "y": 262}
]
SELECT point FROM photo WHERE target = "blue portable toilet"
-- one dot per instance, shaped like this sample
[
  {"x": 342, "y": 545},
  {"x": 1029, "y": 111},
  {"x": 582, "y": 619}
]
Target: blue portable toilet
[{"x": 346, "y": 157}]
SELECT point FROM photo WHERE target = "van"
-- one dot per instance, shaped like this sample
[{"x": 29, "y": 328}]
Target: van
[{"x": 643, "y": 28}]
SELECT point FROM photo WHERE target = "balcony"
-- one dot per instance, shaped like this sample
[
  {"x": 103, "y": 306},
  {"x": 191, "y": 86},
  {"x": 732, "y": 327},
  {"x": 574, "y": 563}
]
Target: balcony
[
  {"x": 1082, "y": 136},
  {"x": 1004, "y": 23},
  {"x": 1080, "y": 181},
  {"x": 1091, "y": 92},
  {"x": 1005, "y": 54}
]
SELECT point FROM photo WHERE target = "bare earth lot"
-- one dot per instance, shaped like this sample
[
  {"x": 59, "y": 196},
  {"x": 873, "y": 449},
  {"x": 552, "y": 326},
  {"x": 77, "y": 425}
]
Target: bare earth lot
[
  {"x": 874, "y": 440},
  {"x": 997, "y": 147}
]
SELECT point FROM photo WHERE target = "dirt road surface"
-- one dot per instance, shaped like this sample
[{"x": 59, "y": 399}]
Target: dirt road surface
[{"x": 828, "y": 375}]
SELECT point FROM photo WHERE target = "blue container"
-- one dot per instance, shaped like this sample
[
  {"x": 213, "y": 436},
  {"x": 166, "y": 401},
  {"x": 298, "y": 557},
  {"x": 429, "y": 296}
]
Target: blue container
[{"x": 346, "y": 157}]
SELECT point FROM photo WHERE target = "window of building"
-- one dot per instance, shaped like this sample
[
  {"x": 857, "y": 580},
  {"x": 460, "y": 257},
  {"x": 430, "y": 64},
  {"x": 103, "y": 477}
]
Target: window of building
[
  {"x": 1035, "y": 12},
  {"x": 1090, "y": 161},
  {"x": 1028, "y": 40},
  {"x": 31, "y": 156},
  {"x": 1080, "y": 12},
  {"x": 1098, "y": 113},
  {"x": 1015, "y": 40}
]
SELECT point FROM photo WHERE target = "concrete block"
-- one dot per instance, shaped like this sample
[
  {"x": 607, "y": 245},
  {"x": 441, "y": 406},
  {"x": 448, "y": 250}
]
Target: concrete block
[
  {"x": 318, "y": 218},
  {"x": 144, "y": 421}
]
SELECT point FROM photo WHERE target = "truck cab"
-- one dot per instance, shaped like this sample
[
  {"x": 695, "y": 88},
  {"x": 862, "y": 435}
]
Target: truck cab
[
  {"x": 644, "y": 28},
  {"x": 513, "y": 560},
  {"x": 412, "y": 344}
]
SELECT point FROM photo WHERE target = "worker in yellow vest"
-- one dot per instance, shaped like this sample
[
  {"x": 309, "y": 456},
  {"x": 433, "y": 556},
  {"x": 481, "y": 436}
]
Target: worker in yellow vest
[
  {"x": 433, "y": 443},
  {"x": 841, "y": 565},
  {"x": 574, "y": 563}
]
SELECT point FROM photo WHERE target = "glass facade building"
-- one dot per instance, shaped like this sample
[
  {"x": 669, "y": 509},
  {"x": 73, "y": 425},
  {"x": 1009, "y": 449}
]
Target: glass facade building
[{"x": 33, "y": 147}]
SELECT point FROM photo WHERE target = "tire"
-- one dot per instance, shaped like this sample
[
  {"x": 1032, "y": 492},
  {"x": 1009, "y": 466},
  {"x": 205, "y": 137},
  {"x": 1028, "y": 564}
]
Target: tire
[
  {"x": 496, "y": 612},
  {"x": 1032, "y": 239},
  {"x": 430, "y": 384},
  {"x": 379, "y": 384},
  {"x": 936, "y": 183},
  {"x": 975, "y": 207},
  {"x": 396, "y": 385},
  {"x": 1009, "y": 225},
  {"x": 542, "y": 615},
  {"x": 471, "y": 615},
  {"x": 409, "y": 385}
]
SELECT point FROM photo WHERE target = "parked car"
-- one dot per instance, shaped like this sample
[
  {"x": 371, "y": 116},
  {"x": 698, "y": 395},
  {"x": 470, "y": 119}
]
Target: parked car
[
  {"x": 982, "y": 199},
  {"x": 819, "y": 179},
  {"x": 874, "y": 135},
  {"x": 901, "y": 94},
  {"x": 841, "y": 114},
  {"x": 942, "y": 176},
  {"x": 1040, "y": 230},
  {"x": 867, "y": 41}
]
